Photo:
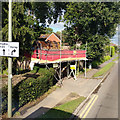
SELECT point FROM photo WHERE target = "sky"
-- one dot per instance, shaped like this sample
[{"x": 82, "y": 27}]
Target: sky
[
  {"x": 115, "y": 38},
  {"x": 57, "y": 27}
]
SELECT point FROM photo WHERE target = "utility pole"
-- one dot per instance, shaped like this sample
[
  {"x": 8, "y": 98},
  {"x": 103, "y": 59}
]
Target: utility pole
[{"x": 10, "y": 63}]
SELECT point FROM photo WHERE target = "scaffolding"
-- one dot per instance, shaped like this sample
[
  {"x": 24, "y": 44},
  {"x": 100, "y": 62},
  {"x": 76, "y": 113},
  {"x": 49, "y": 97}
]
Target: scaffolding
[{"x": 57, "y": 57}]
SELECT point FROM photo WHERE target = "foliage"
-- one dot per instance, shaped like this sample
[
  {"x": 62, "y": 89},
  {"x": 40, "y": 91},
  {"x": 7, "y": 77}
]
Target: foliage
[
  {"x": 49, "y": 30},
  {"x": 116, "y": 49},
  {"x": 5, "y": 72},
  {"x": 112, "y": 51},
  {"x": 94, "y": 22},
  {"x": 107, "y": 50},
  {"x": 28, "y": 22},
  {"x": 95, "y": 63},
  {"x": 106, "y": 58},
  {"x": 4, "y": 98},
  {"x": 4, "y": 63},
  {"x": 104, "y": 69},
  {"x": 35, "y": 69},
  {"x": 29, "y": 89}
]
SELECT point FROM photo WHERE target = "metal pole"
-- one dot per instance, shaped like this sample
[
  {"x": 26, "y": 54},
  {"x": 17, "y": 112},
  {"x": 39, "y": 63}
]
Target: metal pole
[
  {"x": 10, "y": 63},
  {"x": 85, "y": 60},
  {"x": 110, "y": 50},
  {"x": 60, "y": 53},
  {"x": 85, "y": 68},
  {"x": 76, "y": 61}
]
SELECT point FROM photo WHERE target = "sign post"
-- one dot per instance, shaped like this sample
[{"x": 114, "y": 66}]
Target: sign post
[
  {"x": 10, "y": 63},
  {"x": 9, "y": 49}
]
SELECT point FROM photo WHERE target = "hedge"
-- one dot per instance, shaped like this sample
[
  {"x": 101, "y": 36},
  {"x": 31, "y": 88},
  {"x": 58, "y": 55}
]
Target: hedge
[
  {"x": 29, "y": 89},
  {"x": 106, "y": 58},
  {"x": 95, "y": 63},
  {"x": 112, "y": 51}
]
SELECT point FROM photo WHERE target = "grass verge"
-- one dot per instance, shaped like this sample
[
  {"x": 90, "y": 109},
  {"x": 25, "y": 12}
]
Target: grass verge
[
  {"x": 116, "y": 58},
  {"x": 63, "y": 111},
  {"x": 104, "y": 69}
]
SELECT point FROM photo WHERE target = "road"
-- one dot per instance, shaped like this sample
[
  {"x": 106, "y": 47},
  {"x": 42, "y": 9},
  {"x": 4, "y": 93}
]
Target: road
[{"x": 104, "y": 104}]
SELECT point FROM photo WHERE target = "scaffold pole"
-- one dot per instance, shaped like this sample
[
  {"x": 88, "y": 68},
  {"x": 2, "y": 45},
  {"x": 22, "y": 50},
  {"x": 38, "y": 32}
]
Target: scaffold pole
[{"x": 60, "y": 54}]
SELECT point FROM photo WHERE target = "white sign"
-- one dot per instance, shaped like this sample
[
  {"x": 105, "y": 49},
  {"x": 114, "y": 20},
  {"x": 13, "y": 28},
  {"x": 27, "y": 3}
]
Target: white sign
[
  {"x": 10, "y": 49},
  {"x": 55, "y": 65},
  {"x": 3, "y": 48}
]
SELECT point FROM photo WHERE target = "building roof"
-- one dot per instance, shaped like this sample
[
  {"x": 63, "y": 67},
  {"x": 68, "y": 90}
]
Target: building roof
[
  {"x": 45, "y": 36},
  {"x": 50, "y": 37}
]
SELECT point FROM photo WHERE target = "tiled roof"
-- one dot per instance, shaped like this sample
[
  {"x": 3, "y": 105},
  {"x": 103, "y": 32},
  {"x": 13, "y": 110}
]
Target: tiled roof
[
  {"x": 44, "y": 36},
  {"x": 50, "y": 37}
]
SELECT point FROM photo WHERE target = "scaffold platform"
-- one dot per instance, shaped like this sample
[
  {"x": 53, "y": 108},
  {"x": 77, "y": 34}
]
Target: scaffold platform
[{"x": 56, "y": 56}]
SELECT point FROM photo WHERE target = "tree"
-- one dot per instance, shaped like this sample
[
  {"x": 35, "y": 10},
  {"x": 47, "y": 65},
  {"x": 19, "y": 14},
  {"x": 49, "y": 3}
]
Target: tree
[
  {"x": 94, "y": 22},
  {"x": 49, "y": 30},
  {"x": 26, "y": 19}
]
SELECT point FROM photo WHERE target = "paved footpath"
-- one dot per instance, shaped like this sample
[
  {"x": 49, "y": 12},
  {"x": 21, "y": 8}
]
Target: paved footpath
[{"x": 81, "y": 86}]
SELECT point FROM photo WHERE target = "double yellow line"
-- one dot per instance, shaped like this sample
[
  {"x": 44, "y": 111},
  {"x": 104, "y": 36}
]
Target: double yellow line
[{"x": 88, "y": 107}]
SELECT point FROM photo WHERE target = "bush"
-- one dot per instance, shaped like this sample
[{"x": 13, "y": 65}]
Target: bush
[
  {"x": 112, "y": 51},
  {"x": 95, "y": 63},
  {"x": 106, "y": 58},
  {"x": 116, "y": 49},
  {"x": 30, "y": 88},
  {"x": 4, "y": 99},
  {"x": 35, "y": 69},
  {"x": 102, "y": 60}
]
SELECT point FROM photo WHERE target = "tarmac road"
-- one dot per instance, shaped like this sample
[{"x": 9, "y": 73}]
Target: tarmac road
[{"x": 104, "y": 104}]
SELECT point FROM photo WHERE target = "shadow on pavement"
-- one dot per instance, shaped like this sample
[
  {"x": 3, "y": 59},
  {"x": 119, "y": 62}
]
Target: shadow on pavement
[{"x": 49, "y": 114}]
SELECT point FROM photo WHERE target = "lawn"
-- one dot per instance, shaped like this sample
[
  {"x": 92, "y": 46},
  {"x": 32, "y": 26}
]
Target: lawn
[
  {"x": 104, "y": 69},
  {"x": 63, "y": 111},
  {"x": 116, "y": 58}
]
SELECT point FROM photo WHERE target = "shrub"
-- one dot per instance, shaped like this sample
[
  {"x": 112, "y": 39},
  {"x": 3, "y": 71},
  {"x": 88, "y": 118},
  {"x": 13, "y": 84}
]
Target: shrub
[
  {"x": 95, "y": 63},
  {"x": 30, "y": 88},
  {"x": 4, "y": 99},
  {"x": 106, "y": 58},
  {"x": 112, "y": 50},
  {"x": 116, "y": 49},
  {"x": 102, "y": 60},
  {"x": 35, "y": 69}
]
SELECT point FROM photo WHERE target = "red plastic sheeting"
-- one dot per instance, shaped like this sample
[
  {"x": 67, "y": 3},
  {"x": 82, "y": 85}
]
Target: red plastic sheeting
[{"x": 55, "y": 55}]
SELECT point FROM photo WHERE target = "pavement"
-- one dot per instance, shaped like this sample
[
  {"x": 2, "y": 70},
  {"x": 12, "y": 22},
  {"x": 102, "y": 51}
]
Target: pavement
[
  {"x": 105, "y": 103},
  {"x": 82, "y": 86}
]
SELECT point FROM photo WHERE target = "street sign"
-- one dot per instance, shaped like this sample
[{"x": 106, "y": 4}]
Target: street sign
[
  {"x": 3, "y": 48},
  {"x": 10, "y": 49},
  {"x": 13, "y": 49}
]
